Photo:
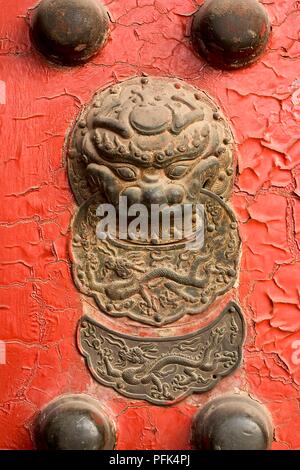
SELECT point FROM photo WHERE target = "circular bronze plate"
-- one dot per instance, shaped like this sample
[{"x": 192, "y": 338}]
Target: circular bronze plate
[
  {"x": 156, "y": 285},
  {"x": 147, "y": 129},
  {"x": 153, "y": 142}
]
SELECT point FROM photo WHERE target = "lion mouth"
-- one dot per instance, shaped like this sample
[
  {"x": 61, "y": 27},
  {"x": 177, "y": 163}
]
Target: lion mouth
[{"x": 161, "y": 227}]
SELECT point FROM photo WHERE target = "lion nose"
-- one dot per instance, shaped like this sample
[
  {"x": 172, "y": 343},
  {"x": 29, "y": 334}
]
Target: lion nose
[
  {"x": 174, "y": 194},
  {"x": 154, "y": 195},
  {"x": 133, "y": 195}
]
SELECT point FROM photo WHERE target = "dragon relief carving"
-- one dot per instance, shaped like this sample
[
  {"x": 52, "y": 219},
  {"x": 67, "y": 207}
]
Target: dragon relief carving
[
  {"x": 153, "y": 141},
  {"x": 164, "y": 370},
  {"x": 156, "y": 285}
]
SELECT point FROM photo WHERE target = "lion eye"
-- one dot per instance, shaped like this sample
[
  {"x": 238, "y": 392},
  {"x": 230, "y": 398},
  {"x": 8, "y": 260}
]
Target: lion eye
[
  {"x": 126, "y": 173},
  {"x": 178, "y": 171}
]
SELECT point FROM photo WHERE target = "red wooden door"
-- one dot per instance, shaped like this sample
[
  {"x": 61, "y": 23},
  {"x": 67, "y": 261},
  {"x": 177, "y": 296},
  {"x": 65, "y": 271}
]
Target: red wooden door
[{"x": 39, "y": 304}]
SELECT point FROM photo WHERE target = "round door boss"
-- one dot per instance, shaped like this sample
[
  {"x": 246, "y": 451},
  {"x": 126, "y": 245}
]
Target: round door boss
[
  {"x": 230, "y": 34},
  {"x": 232, "y": 422},
  {"x": 74, "y": 422},
  {"x": 69, "y": 31}
]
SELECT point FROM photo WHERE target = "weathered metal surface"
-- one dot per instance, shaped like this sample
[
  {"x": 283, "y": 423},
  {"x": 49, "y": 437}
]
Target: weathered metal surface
[
  {"x": 159, "y": 139},
  {"x": 156, "y": 285},
  {"x": 164, "y": 370},
  {"x": 74, "y": 422},
  {"x": 69, "y": 31},
  {"x": 231, "y": 34},
  {"x": 153, "y": 141},
  {"x": 233, "y": 422},
  {"x": 40, "y": 306}
]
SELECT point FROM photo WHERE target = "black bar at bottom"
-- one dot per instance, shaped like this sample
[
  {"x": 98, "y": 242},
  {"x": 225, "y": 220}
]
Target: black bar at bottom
[{"x": 152, "y": 459}]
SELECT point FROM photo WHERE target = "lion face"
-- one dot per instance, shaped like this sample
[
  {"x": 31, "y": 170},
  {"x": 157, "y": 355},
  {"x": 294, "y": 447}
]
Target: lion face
[{"x": 155, "y": 141}]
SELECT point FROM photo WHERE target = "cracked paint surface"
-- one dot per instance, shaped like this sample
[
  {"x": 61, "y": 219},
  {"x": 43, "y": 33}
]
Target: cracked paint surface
[{"x": 39, "y": 305}]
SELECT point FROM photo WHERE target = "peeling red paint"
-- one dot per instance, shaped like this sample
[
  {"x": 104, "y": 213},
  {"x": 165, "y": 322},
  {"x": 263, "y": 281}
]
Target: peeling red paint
[{"x": 39, "y": 305}]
